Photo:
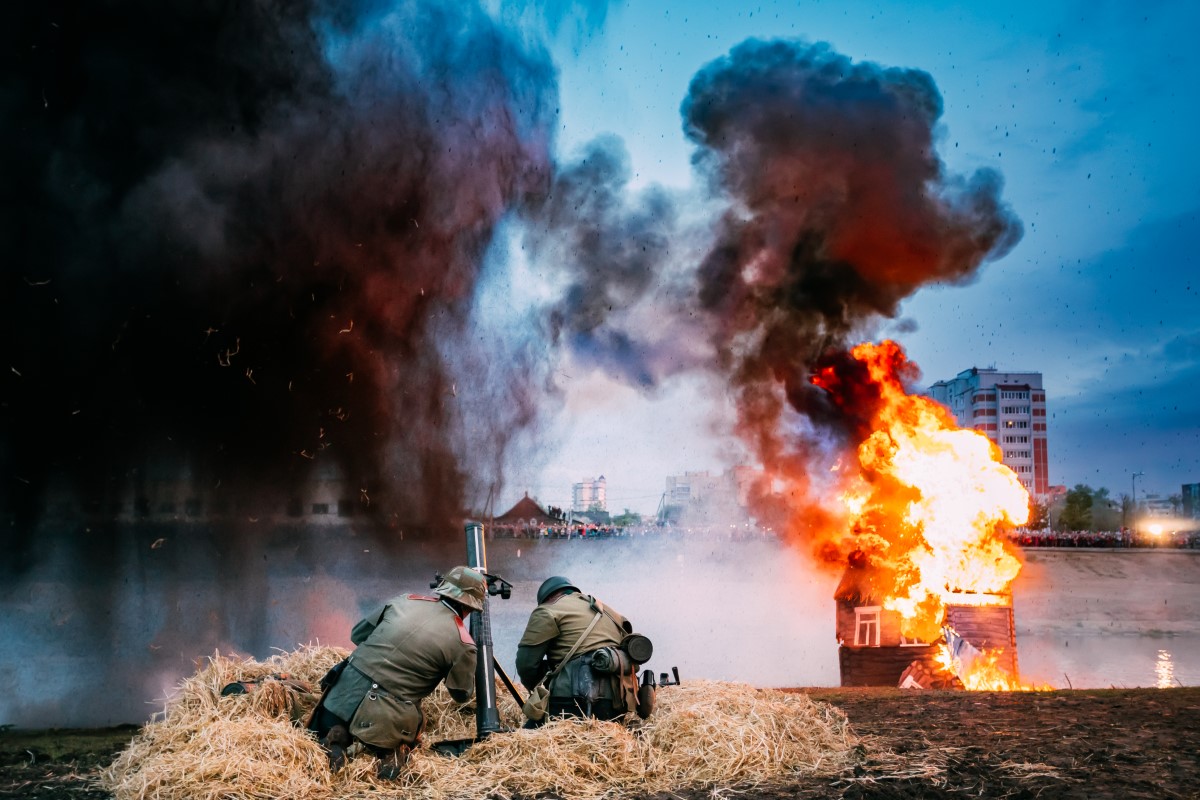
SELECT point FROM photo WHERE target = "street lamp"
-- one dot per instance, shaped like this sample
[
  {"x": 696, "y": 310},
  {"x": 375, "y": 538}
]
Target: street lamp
[{"x": 1133, "y": 498}]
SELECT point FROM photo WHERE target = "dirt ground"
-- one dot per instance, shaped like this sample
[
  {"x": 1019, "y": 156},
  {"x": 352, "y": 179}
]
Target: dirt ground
[{"x": 1126, "y": 743}]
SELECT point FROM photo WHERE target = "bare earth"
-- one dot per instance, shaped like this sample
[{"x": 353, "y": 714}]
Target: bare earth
[{"x": 1116, "y": 743}]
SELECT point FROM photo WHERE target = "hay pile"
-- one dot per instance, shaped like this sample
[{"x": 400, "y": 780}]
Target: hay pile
[{"x": 703, "y": 735}]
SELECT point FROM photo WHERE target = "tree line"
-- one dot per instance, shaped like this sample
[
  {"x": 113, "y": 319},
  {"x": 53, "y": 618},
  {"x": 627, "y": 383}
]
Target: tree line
[{"x": 1084, "y": 508}]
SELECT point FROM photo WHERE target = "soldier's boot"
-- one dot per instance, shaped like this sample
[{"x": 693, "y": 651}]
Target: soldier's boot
[
  {"x": 335, "y": 744},
  {"x": 392, "y": 764}
]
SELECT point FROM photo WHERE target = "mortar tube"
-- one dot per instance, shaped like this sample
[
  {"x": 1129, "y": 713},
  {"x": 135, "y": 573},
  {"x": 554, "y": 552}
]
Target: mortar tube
[{"x": 487, "y": 714}]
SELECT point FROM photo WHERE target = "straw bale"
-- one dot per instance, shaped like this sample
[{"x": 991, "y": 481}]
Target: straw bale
[
  {"x": 446, "y": 719},
  {"x": 703, "y": 735},
  {"x": 704, "y": 732}
]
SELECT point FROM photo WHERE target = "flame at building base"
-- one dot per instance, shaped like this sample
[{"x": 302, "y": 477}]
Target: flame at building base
[{"x": 981, "y": 670}]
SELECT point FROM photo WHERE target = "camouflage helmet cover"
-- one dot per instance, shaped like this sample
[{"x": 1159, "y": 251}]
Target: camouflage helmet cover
[
  {"x": 552, "y": 585},
  {"x": 464, "y": 585}
]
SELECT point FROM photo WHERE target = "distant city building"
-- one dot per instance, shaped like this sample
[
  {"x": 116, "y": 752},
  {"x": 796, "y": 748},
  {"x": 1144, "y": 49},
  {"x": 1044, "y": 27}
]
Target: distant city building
[
  {"x": 689, "y": 486},
  {"x": 708, "y": 498},
  {"x": 1010, "y": 409},
  {"x": 1191, "y": 500},
  {"x": 589, "y": 494}
]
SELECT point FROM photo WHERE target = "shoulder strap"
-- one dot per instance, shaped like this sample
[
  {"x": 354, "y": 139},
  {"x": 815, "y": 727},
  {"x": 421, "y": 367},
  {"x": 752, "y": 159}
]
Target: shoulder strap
[
  {"x": 600, "y": 607},
  {"x": 550, "y": 676}
]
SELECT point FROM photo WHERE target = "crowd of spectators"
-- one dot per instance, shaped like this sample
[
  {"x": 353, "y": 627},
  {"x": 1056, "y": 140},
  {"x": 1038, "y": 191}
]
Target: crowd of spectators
[
  {"x": 1181, "y": 539},
  {"x": 577, "y": 531},
  {"x": 560, "y": 531}
]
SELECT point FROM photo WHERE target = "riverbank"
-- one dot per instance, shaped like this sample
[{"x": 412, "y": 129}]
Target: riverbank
[
  {"x": 1104, "y": 744},
  {"x": 1127, "y": 591}
]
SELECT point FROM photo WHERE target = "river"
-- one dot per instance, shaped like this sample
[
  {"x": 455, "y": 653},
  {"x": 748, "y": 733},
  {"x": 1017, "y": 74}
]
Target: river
[{"x": 93, "y": 643}]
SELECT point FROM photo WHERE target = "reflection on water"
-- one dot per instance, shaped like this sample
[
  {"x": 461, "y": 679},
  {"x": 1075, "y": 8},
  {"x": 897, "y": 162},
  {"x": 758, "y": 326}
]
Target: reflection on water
[
  {"x": 1164, "y": 668},
  {"x": 1101, "y": 662}
]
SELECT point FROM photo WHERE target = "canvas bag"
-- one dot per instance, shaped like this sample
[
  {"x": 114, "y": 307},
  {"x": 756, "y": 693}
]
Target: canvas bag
[
  {"x": 386, "y": 721},
  {"x": 538, "y": 702}
]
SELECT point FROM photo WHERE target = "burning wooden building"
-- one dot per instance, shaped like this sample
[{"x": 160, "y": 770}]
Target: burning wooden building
[
  {"x": 977, "y": 647},
  {"x": 926, "y": 596}
]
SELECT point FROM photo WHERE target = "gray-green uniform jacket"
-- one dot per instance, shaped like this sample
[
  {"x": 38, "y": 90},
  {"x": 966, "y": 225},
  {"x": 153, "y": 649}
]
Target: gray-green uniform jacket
[
  {"x": 405, "y": 649},
  {"x": 555, "y": 626}
]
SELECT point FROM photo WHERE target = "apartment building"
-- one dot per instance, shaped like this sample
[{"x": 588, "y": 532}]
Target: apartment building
[
  {"x": 589, "y": 494},
  {"x": 1010, "y": 409}
]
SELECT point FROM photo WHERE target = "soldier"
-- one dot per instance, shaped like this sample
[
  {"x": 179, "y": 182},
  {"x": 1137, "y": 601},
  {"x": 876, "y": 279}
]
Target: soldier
[
  {"x": 567, "y": 620},
  {"x": 404, "y": 649}
]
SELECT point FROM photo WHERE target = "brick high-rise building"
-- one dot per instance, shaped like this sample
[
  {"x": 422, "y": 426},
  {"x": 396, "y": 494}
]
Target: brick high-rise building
[{"x": 1010, "y": 408}]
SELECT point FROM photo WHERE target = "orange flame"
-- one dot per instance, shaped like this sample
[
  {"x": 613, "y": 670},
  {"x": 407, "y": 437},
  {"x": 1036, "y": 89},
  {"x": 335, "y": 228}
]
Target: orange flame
[
  {"x": 985, "y": 673},
  {"x": 929, "y": 501}
]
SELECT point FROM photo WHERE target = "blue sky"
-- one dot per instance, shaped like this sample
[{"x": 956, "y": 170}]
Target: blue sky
[{"x": 1088, "y": 112}]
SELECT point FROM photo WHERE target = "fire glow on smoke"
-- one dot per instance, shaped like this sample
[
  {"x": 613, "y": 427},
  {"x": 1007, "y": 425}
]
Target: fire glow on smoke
[{"x": 927, "y": 504}]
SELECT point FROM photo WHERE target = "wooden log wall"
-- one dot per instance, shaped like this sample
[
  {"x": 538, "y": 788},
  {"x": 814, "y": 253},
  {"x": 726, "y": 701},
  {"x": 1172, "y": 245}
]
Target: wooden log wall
[
  {"x": 881, "y": 666},
  {"x": 988, "y": 628}
]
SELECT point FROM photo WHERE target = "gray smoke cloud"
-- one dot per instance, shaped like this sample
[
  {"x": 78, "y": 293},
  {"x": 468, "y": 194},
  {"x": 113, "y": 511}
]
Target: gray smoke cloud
[
  {"x": 243, "y": 243},
  {"x": 618, "y": 255},
  {"x": 238, "y": 237}
]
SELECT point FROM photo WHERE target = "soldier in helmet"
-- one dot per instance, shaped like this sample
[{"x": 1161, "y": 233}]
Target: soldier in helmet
[
  {"x": 404, "y": 649},
  {"x": 564, "y": 617}
]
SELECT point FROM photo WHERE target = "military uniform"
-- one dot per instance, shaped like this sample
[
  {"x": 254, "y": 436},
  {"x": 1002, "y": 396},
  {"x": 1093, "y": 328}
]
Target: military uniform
[
  {"x": 552, "y": 631},
  {"x": 404, "y": 650}
]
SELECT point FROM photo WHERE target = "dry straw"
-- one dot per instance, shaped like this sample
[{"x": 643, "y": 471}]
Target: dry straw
[{"x": 704, "y": 735}]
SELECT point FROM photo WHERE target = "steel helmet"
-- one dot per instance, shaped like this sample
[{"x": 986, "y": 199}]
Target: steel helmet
[
  {"x": 464, "y": 585},
  {"x": 552, "y": 585}
]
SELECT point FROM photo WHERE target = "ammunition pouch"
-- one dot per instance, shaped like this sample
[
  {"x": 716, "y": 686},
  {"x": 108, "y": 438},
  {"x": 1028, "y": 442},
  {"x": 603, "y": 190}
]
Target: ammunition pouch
[
  {"x": 577, "y": 679},
  {"x": 384, "y": 720},
  {"x": 581, "y": 680}
]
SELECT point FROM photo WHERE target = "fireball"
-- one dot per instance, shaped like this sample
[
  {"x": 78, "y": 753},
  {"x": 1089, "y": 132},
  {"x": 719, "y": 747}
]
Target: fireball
[{"x": 929, "y": 502}]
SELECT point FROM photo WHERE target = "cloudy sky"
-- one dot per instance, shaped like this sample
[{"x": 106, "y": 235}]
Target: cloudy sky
[{"x": 1086, "y": 111}]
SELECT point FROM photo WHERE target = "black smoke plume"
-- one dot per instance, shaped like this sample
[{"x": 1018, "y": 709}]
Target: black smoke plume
[
  {"x": 838, "y": 209},
  {"x": 230, "y": 230}
]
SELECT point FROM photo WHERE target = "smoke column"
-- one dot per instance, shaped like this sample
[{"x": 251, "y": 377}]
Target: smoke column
[
  {"x": 231, "y": 232},
  {"x": 242, "y": 243},
  {"x": 838, "y": 209},
  {"x": 821, "y": 205}
]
